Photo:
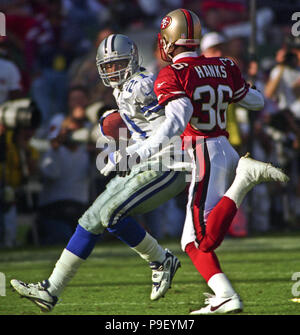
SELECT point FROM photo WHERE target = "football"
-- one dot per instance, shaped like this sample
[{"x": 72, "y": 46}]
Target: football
[{"x": 111, "y": 125}]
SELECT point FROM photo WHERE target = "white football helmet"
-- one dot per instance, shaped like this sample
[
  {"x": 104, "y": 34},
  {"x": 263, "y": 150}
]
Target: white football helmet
[{"x": 117, "y": 59}]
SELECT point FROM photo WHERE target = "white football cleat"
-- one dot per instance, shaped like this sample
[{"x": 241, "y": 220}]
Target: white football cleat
[
  {"x": 257, "y": 172},
  {"x": 162, "y": 275},
  {"x": 217, "y": 305},
  {"x": 37, "y": 293}
]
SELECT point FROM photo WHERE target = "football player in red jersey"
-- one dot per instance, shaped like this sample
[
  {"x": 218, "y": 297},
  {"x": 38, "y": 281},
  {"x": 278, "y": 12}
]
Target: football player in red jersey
[{"x": 196, "y": 92}]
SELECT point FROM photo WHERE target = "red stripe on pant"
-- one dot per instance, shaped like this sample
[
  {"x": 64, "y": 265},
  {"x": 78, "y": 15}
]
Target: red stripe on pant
[
  {"x": 200, "y": 188},
  {"x": 210, "y": 236}
]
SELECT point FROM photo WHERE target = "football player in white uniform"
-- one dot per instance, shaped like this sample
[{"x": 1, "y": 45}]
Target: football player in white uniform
[{"x": 138, "y": 192}]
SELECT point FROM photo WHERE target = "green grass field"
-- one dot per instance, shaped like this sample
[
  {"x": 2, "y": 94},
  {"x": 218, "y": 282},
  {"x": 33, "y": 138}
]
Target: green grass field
[{"x": 114, "y": 281}]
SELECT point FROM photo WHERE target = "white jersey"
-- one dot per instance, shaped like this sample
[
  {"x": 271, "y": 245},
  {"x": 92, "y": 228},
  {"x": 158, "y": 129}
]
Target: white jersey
[
  {"x": 138, "y": 105},
  {"x": 139, "y": 108}
]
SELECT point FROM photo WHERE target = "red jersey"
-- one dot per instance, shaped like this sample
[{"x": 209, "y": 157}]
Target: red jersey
[{"x": 210, "y": 83}]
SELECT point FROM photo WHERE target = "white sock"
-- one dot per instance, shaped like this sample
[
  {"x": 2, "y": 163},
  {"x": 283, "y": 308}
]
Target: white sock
[
  {"x": 150, "y": 250},
  {"x": 221, "y": 285},
  {"x": 65, "y": 269},
  {"x": 238, "y": 190}
]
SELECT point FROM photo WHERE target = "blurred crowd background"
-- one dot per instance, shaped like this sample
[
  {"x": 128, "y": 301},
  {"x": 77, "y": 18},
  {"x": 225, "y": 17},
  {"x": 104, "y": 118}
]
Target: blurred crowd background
[{"x": 48, "y": 170}]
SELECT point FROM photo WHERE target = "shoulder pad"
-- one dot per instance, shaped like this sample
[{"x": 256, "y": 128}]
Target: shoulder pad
[{"x": 143, "y": 88}]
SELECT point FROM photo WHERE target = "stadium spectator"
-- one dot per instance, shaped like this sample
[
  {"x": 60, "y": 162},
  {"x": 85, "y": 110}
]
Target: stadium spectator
[
  {"x": 16, "y": 153},
  {"x": 65, "y": 183},
  {"x": 10, "y": 76},
  {"x": 63, "y": 187},
  {"x": 53, "y": 41},
  {"x": 213, "y": 44},
  {"x": 19, "y": 164},
  {"x": 77, "y": 101},
  {"x": 284, "y": 82},
  {"x": 283, "y": 88}
]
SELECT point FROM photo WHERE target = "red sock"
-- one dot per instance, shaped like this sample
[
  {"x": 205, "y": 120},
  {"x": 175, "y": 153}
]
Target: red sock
[
  {"x": 206, "y": 263},
  {"x": 218, "y": 223}
]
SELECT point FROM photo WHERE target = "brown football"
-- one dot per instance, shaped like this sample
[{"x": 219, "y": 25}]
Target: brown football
[{"x": 112, "y": 124}]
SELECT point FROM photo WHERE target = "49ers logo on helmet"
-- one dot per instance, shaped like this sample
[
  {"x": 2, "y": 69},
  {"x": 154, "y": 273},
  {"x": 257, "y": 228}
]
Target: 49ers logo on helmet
[{"x": 165, "y": 22}]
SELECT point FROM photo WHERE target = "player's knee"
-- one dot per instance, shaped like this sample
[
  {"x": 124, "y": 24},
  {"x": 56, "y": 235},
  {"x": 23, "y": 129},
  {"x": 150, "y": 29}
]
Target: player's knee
[
  {"x": 190, "y": 248},
  {"x": 208, "y": 244},
  {"x": 91, "y": 222}
]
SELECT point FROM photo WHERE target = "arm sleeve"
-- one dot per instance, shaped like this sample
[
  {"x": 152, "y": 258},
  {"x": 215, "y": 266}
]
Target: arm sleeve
[
  {"x": 144, "y": 95},
  {"x": 178, "y": 114},
  {"x": 240, "y": 86},
  {"x": 253, "y": 100}
]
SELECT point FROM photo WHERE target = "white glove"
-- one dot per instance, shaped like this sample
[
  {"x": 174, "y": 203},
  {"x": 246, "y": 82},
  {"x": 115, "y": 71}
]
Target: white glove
[{"x": 114, "y": 158}]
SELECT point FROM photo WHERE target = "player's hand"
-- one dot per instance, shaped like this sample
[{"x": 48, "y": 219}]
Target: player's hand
[
  {"x": 119, "y": 162},
  {"x": 115, "y": 160},
  {"x": 130, "y": 161}
]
